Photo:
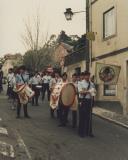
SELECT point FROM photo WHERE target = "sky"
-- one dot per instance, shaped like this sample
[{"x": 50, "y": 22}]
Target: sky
[{"x": 14, "y": 13}]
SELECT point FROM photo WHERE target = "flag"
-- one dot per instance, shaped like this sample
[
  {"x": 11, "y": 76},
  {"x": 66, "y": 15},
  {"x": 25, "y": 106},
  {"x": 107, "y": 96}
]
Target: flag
[{"x": 107, "y": 73}]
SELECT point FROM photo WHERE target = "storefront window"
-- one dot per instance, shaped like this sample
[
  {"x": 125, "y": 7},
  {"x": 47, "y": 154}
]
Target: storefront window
[{"x": 110, "y": 90}]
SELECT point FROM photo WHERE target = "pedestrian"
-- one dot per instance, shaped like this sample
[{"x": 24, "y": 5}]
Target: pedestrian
[
  {"x": 74, "y": 107},
  {"x": 21, "y": 79},
  {"x": 45, "y": 85},
  {"x": 85, "y": 108},
  {"x": 34, "y": 82}
]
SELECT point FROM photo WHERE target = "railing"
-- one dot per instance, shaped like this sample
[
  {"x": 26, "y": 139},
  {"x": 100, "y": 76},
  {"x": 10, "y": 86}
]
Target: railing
[{"x": 76, "y": 57}]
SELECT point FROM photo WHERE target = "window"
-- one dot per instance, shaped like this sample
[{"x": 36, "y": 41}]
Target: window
[
  {"x": 109, "y": 23},
  {"x": 110, "y": 90}
]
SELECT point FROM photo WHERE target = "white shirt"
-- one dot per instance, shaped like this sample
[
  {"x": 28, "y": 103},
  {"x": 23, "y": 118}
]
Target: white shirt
[
  {"x": 10, "y": 78},
  {"x": 46, "y": 79},
  {"x": 83, "y": 85},
  {"x": 34, "y": 80}
]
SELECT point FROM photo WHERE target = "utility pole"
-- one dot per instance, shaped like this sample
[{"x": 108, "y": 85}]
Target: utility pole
[{"x": 87, "y": 41}]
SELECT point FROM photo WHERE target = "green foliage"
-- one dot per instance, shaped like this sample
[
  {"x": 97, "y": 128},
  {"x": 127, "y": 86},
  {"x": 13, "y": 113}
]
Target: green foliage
[
  {"x": 38, "y": 59},
  {"x": 74, "y": 40}
]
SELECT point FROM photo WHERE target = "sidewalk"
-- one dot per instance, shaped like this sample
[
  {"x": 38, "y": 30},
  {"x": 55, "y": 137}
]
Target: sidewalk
[{"x": 114, "y": 117}]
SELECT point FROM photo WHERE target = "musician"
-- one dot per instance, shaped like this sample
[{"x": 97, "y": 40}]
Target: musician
[
  {"x": 10, "y": 78},
  {"x": 34, "y": 82},
  {"x": 45, "y": 85},
  {"x": 56, "y": 79},
  {"x": 74, "y": 107},
  {"x": 85, "y": 108},
  {"x": 63, "y": 111},
  {"x": 21, "y": 79}
]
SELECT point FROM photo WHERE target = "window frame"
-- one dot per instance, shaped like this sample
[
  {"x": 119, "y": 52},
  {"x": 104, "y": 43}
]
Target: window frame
[
  {"x": 114, "y": 34},
  {"x": 109, "y": 95}
]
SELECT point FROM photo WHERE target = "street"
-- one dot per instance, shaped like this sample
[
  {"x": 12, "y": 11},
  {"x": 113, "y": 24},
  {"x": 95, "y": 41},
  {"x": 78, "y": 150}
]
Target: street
[{"x": 40, "y": 138}]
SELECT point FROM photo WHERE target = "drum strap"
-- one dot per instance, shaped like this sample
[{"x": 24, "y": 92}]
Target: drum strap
[
  {"x": 22, "y": 78},
  {"x": 87, "y": 88}
]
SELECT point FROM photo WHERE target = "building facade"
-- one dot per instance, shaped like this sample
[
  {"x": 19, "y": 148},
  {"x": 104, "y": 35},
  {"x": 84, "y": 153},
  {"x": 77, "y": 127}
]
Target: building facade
[
  {"x": 108, "y": 20},
  {"x": 11, "y": 60},
  {"x": 75, "y": 62}
]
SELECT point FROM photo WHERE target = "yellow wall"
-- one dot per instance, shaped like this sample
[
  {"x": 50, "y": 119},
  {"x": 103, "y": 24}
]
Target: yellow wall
[
  {"x": 71, "y": 68},
  {"x": 119, "y": 41},
  {"x": 100, "y": 46}
]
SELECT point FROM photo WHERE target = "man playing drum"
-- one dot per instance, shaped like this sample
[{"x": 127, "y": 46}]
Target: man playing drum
[
  {"x": 63, "y": 111},
  {"x": 21, "y": 79},
  {"x": 34, "y": 82}
]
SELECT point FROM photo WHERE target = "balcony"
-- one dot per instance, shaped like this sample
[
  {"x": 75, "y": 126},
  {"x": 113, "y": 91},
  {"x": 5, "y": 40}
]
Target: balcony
[{"x": 76, "y": 57}]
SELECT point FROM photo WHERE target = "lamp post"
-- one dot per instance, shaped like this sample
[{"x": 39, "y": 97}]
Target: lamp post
[{"x": 69, "y": 15}]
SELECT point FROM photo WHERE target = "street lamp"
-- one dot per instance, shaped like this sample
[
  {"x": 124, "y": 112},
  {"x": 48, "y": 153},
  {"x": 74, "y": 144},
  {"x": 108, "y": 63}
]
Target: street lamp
[{"x": 69, "y": 14}]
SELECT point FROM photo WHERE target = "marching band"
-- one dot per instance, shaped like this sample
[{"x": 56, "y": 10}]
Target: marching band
[{"x": 63, "y": 95}]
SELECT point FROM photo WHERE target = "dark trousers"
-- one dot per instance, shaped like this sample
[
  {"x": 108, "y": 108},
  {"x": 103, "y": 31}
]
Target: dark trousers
[
  {"x": 52, "y": 113},
  {"x": 63, "y": 114},
  {"x": 36, "y": 96},
  {"x": 1, "y": 85},
  {"x": 19, "y": 109},
  {"x": 74, "y": 119},
  {"x": 45, "y": 87},
  {"x": 85, "y": 117}
]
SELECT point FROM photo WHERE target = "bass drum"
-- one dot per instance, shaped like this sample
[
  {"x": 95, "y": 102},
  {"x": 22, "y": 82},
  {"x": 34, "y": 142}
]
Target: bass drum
[{"x": 68, "y": 94}]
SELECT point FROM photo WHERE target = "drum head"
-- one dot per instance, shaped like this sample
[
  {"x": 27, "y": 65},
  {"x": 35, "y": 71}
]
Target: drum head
[{"x": 68, "y": 94}]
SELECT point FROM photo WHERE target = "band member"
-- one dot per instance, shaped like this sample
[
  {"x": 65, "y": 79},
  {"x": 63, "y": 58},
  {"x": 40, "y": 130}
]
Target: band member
[
  {"x": 63, "y": 111},
  {"x": 12, "y": 88},
  {"x": 54, "y": 82},
  {"x": 34, "y": 82},
  {"x": 45, "y": 85},
  {"x": 85, "y": 108},
  {"x": 21, "y": 79},
  {"x": 10, "y": 78},
  {"x": 74, "y": 107},
  {"x": 93, "y": 82}
]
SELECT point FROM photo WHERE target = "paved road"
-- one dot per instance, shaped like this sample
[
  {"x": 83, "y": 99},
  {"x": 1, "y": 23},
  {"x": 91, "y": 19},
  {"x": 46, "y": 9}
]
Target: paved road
[{"x": 42, "y": 139}]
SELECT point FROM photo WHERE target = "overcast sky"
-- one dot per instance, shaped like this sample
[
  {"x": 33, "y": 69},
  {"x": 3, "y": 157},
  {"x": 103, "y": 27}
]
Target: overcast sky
[{"x": 13, "y": 13}]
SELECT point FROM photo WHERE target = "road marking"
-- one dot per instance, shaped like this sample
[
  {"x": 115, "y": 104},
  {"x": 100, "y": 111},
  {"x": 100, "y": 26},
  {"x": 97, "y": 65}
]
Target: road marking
[
  {"x": 22, "y": 145},
  {"x": 3, "y": 131},
  {"x": 0, "y": 119},
  {"x": 6, "y": 149}
]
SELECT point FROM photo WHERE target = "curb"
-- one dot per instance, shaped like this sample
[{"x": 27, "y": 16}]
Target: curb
[{"x": 111, "y": 120}]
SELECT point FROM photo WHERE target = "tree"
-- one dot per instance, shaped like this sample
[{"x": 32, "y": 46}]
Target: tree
[
  {"x": 39, "y": 48},
  {"x": 39, "y": 59}
]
